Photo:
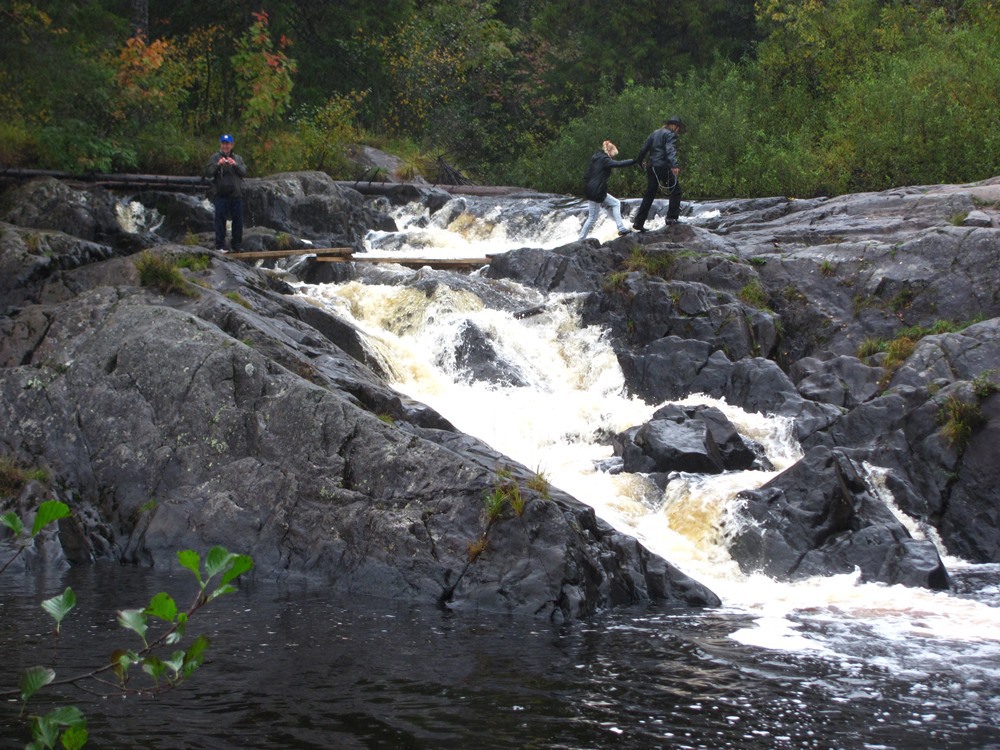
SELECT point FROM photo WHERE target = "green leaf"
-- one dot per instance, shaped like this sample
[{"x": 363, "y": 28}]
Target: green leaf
[
  {"x": 240, "y": 565},
  {"x": 216, "y": 560},
  {"x": 13, "y": 522},
  {"x": 227, "y": 589},
  {"x": 74, "y": 738},
  {"x": 163, "y": 607},
  {"x": 133, "y": 619},
  {"x": 192, "y": 561},
  {"x": 34, "y": 679},
  {"x": 154, "y": 667},
  {"x": 67, "y": 716},
  {"x": 49, "y": 511},
  {"x": 121, "y": 660},
  {"x": 45, "y": 731},
  {"x": 195, "y": 655},
  {"x": 59, "y": 606},
  {"x": 175, "y": 662}
]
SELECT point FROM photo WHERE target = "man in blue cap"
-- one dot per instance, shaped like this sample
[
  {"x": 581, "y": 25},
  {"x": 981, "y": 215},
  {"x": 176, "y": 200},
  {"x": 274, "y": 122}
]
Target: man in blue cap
[{"x": 227, "y": 170}]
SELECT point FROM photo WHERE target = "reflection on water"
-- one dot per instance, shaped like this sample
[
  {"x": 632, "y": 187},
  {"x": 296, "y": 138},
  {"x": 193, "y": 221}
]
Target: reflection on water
[{"x": 295, "y": 669}]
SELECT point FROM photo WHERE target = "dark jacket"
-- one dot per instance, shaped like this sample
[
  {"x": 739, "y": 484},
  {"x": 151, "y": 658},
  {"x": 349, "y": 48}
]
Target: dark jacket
[
  {"x": 595, "y": 181},
  {"x": 227, "y": 180},
  {"x": 661, "y": 147}
]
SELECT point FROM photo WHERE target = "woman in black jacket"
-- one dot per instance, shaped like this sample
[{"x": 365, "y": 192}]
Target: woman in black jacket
[{"x": 595, "y": 187}]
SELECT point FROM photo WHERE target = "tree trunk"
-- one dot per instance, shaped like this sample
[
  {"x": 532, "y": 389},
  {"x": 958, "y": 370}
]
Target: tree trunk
[{"x": 140, "y": 19}]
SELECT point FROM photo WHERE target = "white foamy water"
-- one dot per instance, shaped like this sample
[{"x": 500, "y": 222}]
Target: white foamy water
[{"x": 557, "y": 424}]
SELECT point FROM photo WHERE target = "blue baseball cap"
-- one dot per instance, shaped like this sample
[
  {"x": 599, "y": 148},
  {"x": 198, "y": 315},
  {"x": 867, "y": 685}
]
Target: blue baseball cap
[{"x": 226, "y": 138}]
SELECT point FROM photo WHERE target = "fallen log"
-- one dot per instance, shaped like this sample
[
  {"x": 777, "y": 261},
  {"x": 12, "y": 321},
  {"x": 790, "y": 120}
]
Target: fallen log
[
  {"x": 442, "y": 264},
  {"x": 178, "y": 182},
  {"x": 332, "y": 252}
]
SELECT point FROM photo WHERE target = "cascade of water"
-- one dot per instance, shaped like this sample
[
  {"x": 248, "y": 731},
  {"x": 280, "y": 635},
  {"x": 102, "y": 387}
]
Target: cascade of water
[{"x": 571, "y": 395}]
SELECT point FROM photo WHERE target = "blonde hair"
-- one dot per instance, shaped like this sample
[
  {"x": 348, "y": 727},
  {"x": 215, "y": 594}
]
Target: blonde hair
[{"x": 607, "y": 146}]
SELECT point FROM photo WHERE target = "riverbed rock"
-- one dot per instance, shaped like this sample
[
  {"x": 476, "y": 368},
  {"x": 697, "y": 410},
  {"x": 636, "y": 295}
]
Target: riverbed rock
[
  {"x": 842, "y": 282},
  {"x": 820, "y": 518},
  {"x": 698, "y": 440},
  {"x": 227, "y": 411}
]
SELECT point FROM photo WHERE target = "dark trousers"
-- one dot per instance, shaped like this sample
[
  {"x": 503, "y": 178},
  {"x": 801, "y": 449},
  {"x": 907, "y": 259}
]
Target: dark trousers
[
  {"x": 652, "y": 188},
  {"x": 228, "y": 207}
]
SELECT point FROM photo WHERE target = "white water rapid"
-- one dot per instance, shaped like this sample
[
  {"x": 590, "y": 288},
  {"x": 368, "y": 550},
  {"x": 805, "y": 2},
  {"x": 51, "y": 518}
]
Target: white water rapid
[{"x": 574, "y": 393}]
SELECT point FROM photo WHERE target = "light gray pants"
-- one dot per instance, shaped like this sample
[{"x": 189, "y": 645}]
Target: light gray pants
[{"x": 611, "y": 203}]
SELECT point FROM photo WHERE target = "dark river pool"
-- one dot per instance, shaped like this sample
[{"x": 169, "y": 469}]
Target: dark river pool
[{"x": 291, "y": 667}]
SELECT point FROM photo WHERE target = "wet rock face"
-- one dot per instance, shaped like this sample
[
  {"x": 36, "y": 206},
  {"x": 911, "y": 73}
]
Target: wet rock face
[
  {"x": 698, "y": 440},
  {"x": 820, "y": 518},
  {"x": 229, "y": 412},
  {"x": 849, "y": 315}
]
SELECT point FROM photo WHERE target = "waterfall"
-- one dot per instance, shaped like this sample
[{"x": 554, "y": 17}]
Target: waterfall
[{"x": 567, "y": 395}]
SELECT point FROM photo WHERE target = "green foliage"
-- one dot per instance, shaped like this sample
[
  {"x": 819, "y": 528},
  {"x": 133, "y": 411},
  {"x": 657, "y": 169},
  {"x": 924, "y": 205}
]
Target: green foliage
[
  {"x": 494, "y": 502},
  {"x": 318, "y": 138},
  {"x": 239, "y": 299},
  {"x": 60, "y": 606},
  {"x": 615, "y": 282},
  {"x": 160, "y": 272},
  {"x": 65, "y": 725},
  {"x": 959, "y": 420},
  {"x": 918, "y": 119},
  {"x": 215, "y": 576},
  {"x": 870, "y": 347},
  {"x": 539, "y": 483},
  {"x": 781, "y": 97},
  {"x": 656, "y": 264},
  {"x": 754, "y": 294},
  {"x": 195, "y": 262},
  {"x": 983, "y": 385},
  {"x": 12, "y": 477},
  {"x": 18, "y": 146},
  {"x": 264, "y": 74},
  {"x": 48, "y": 512},
  {"x": 898, "y": 351}
]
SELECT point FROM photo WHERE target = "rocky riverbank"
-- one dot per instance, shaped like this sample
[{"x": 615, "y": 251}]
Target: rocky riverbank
[{"x": 223, "y": 409}]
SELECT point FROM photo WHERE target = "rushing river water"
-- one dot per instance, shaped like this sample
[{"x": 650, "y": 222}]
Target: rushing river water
[{"x": 823, "y": 663}]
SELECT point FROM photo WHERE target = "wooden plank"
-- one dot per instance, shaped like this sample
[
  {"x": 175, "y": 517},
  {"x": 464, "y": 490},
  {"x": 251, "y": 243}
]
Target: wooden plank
[
  {"x": 344, "y": 252},
  {"x": 440, "y": 263}
]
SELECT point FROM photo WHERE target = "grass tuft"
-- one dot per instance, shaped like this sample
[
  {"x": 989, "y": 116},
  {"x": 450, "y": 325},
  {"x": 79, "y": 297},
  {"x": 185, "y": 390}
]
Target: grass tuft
[{"x": 162, "y": 274}]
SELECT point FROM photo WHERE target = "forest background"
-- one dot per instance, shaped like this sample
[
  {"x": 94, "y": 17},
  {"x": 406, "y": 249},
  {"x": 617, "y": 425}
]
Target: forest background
[{"x": 779, "y": 97}]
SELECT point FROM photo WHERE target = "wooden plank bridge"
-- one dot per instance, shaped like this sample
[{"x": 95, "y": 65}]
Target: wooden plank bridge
[{"x": 346, "y": 255}]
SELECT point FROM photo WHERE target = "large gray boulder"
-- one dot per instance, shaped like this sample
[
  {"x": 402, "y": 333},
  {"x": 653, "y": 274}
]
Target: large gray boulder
[
  {"x": 819, "y": 517},
  {"x": 252, "y": 421}
]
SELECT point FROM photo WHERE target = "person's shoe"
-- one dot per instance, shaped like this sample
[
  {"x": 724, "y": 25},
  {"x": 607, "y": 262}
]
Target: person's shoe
[
  {"x": 623, "y": 232},
  {"x": 671, "y": 222},
  {"x": 638, "y": 229}
]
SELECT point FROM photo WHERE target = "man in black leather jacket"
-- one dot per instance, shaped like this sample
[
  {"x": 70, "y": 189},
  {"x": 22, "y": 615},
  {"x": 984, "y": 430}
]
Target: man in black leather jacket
[{"x": 662, "y": 169}]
